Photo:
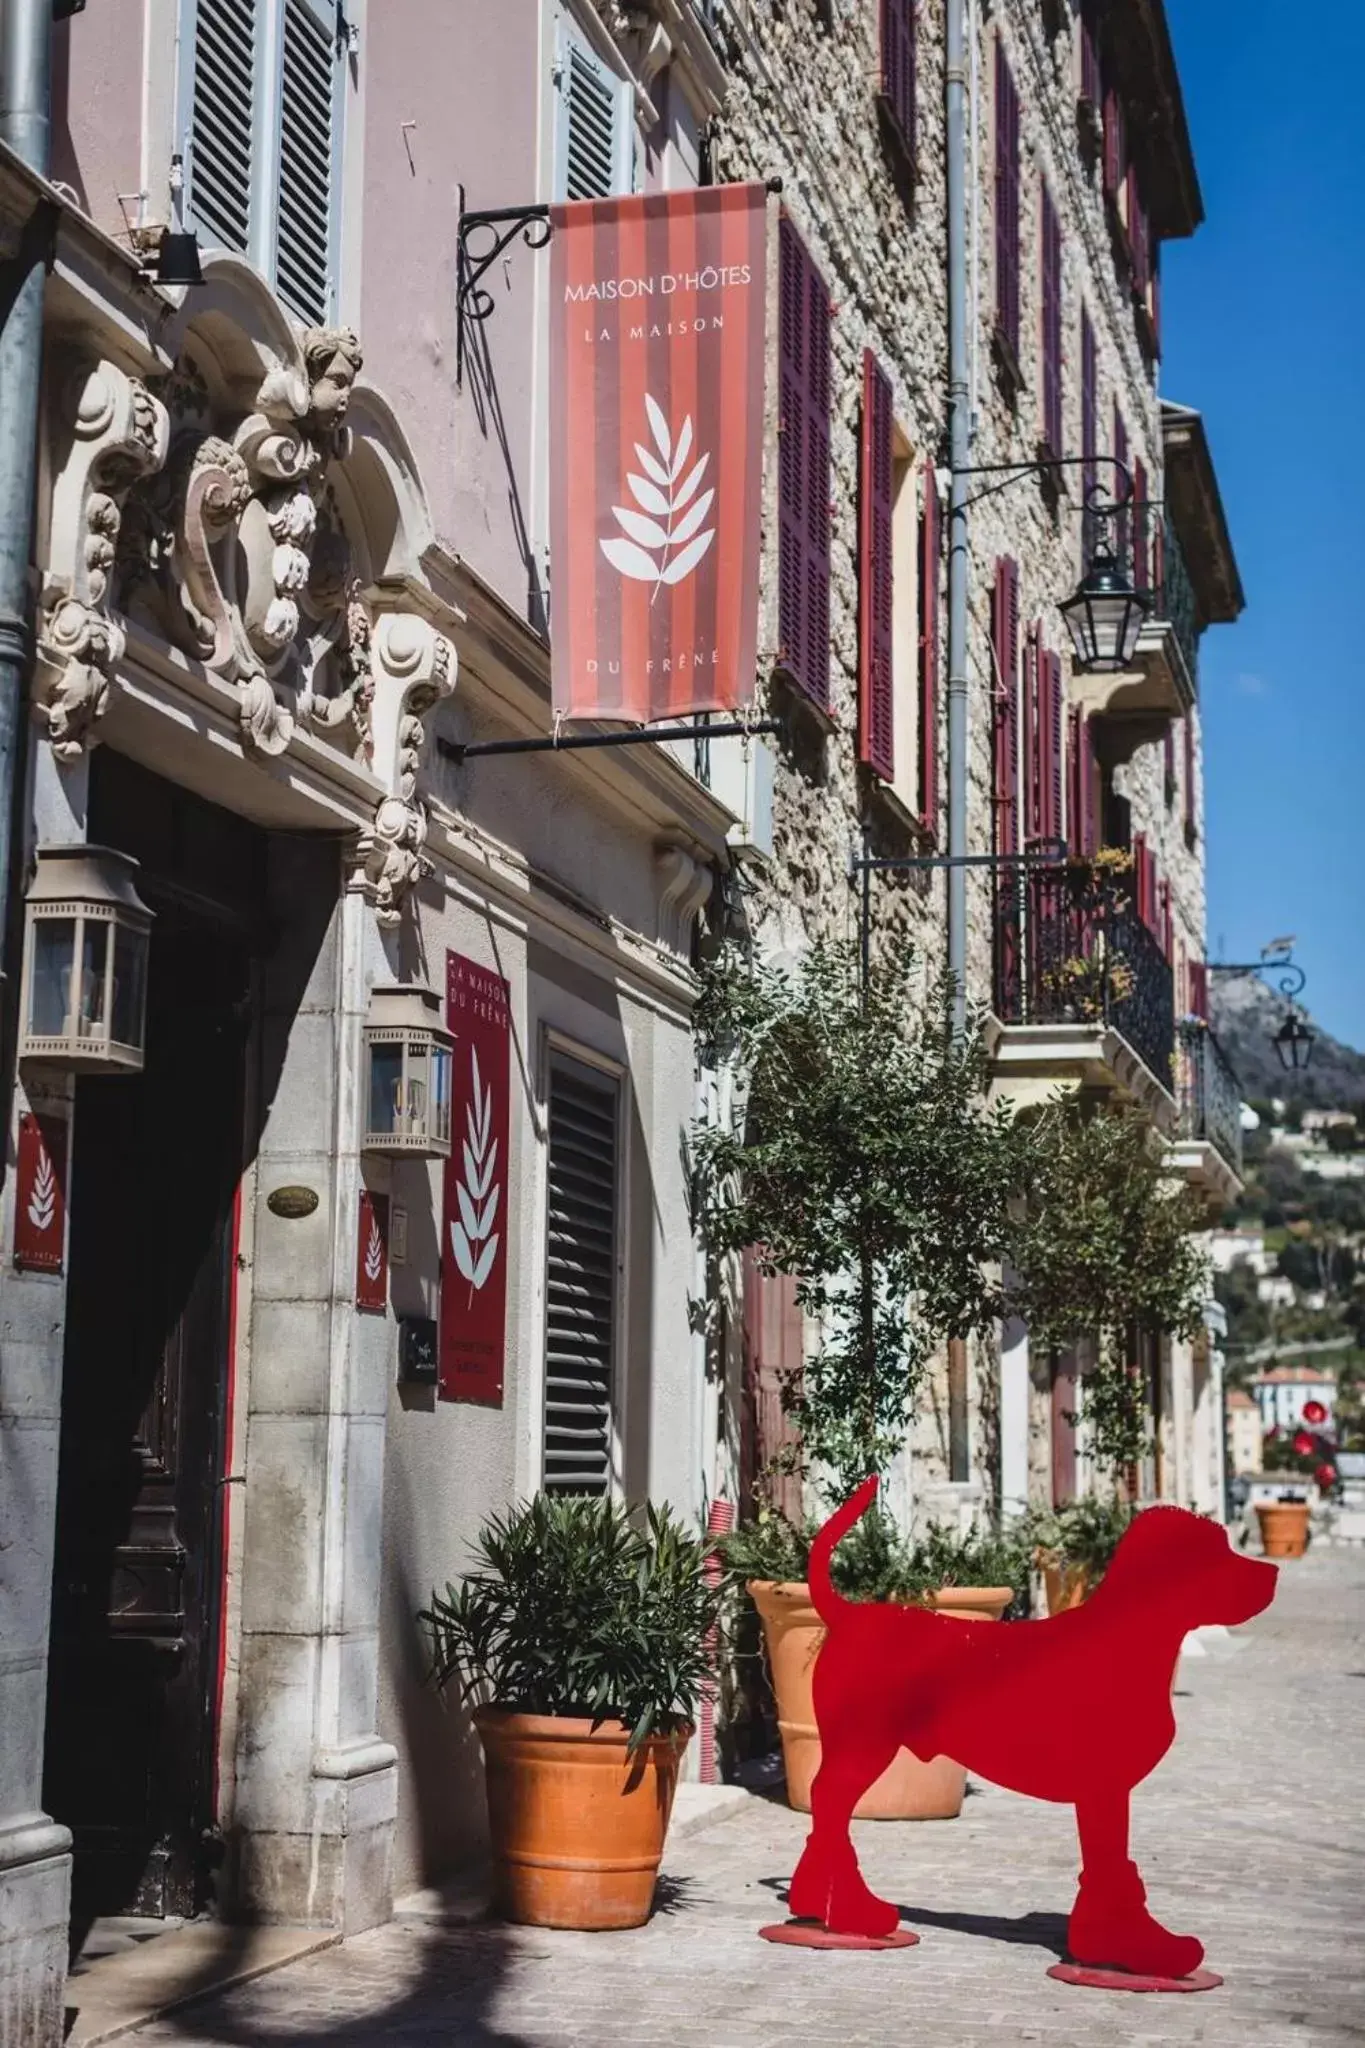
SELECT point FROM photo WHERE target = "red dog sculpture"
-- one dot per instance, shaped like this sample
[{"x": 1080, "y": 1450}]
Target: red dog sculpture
[{"x": 1075, "y": 1709}]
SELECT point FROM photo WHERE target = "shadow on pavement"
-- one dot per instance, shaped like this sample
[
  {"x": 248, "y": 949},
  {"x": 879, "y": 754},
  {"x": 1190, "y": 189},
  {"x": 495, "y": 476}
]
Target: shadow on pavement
[{"x": 1029, "y": 1930}]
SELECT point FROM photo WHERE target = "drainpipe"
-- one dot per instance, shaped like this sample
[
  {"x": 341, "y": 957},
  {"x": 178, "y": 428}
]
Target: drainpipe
[
  {"x": 25, "y": 124},
  {"x": 959, "y": 455}
]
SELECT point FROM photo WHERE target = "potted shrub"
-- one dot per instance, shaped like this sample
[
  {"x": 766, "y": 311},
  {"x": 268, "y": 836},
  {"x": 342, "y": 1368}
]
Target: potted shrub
[
  {"x": 975, "y": 1577},
  {"x": 581, "y": 1641},
  {"x": 1311, "y": 1452},
  {"x": 1074, "y": 1544}
]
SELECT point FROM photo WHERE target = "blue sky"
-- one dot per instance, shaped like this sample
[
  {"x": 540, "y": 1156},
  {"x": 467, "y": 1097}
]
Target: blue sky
[{"x": 1263, "y": 314}]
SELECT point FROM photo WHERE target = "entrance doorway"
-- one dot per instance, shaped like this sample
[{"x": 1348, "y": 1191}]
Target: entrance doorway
[{"x": 157, "y": 1159}]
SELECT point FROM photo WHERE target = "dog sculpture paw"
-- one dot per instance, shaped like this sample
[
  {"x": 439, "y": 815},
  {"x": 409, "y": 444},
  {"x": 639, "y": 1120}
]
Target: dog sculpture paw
[
  {"x": 1122, "y": 1935},
  {"x": 831, "y": 1889}
]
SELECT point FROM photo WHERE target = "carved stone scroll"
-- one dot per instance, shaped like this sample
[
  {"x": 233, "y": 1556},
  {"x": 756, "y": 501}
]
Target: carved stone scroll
[{"x": 413, "y": 667}]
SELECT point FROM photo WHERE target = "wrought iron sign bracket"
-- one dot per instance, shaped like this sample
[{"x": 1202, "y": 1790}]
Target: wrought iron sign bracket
[
  {"x": 460, "y": 751},
  {"x": 1046, "y": 853},
  {"x": 1047, "y": 465}
]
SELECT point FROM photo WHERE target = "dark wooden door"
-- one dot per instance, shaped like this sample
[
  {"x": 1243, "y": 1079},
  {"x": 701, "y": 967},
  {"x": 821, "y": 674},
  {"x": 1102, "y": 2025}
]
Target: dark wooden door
[{"x": 136, "y": 1585}]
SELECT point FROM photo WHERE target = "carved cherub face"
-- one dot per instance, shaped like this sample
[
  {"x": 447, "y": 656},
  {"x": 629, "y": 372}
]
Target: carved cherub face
[{"x": 332, "y": 357}]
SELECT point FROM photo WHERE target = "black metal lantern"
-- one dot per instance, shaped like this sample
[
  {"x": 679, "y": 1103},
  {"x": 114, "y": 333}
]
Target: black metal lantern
[
  {"x": 86, "y": 937},
  {"x": 1105, "y": 616},
  {"x": 1294, "y": 1043},
  {"x": 408, "y": 1055}
]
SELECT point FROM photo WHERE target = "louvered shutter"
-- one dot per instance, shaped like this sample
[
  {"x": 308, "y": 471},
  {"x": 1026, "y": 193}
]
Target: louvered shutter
[
  {"x": 1005, "y": 648},
  {"x": 1139, "y": 234},
  {"x": 223, "y": 124},
  {"x": 876, "y": 711},
  {"x": 1033, "y": 740},
  {"x": 1091, "y": 88},
  {"x": 1051, "y": 686},
  {"x": 1006, "y": 202},
  {"x": 309, "y": 123},
  {"x": 1091, "y": 822},
  {"x": 803, "y": 470},
  {"x": 1142, "y": 553},
  {"x": 1115, "y": 146},
  {"x": 1051, "y": 294},
  {"x": 1168, "y": 764},
  {"x": 1199, "y": 989},
  {"x": 1075, "y": 782},
  {"x": 581, "y": 1270},
  {"x": 929, "y": 569},
  {"x": 595, "y": 136},
  {"x": 1141, "y": 877},
  {"x": 1089, "y": 404},
  {"x": 898, "y": 67},
  {"x": 1191, "y": 809},
  {"x": 1123, "y": 524},
  {"x": 1165, "y": 918}
]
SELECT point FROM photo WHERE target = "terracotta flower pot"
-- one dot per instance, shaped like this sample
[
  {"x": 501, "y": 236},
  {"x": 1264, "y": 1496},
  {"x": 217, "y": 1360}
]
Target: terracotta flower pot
[
  {"x": 1284, "y": 1527},
  {"x": 1067, "y": 1585},
  {"x": 577, "y": 1826},
  {"x": 907, "y": 1789}
]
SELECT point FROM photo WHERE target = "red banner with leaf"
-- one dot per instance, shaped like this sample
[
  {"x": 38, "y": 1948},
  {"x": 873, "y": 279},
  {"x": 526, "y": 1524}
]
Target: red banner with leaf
[
  {"x": 473, "y": 1324},
  {"x": 656, "y": 451}
]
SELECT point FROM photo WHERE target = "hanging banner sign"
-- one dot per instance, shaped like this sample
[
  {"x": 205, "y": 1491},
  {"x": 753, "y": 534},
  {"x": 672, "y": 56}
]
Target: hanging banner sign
[
  {"x": 40, "y": 1194},
  {"x": 473, "y": 1332},
  {"x": 372, "y": 1254},
  {"x": 656, "y": 451}
]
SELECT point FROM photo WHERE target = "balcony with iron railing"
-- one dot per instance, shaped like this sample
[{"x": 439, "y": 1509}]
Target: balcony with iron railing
[
  {"x": 1208, "y": 1149},
  {"x": 1163, "y": 680},
  {"x": 1083, "y": 993}
]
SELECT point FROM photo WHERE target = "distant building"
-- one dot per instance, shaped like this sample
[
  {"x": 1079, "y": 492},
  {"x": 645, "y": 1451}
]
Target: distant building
[
  {"x": 1275, "y": 1290},
  {"x": 1244, "y": 1433},
  {"x": 1229, "y": 1248},
  {"x": 1328, "y": 1120},
  {"x": 1284, "y": 1392}
]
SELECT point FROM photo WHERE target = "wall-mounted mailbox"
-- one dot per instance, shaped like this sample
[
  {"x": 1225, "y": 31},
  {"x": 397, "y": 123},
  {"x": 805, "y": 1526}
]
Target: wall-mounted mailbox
[{"x": 417, "y": 1351}]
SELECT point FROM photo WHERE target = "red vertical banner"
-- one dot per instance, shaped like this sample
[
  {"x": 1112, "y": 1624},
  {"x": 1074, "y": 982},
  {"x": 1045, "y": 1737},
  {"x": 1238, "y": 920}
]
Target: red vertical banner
[
  {"x": 473, "y": 1334},
  {"x": 658, "y": 305},
  {"x": 40, "y": 1193},
  {"x": 372, "y": 1254}
]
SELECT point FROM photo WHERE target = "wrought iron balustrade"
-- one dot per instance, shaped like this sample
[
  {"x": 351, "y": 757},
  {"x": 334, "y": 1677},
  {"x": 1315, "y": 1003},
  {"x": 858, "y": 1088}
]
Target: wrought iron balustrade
[
  {"x": 1210, "y": 1093},
  {"x": 1072, "y": 950}
]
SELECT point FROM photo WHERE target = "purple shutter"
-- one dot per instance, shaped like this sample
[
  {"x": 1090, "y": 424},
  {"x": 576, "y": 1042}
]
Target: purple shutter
[
  {"x": 1089, "y": 403},
  {"x": 1115, "y": 142},
  {"x": 803, "y": 482},
  {"x": 1124, "y": 522},
  {"x": 1142, "y": 553},
  {"x": 876, "y": 734},
  {"x": 898, "y": 67},
  {"x": 1191, "y": 811},
  {"x": 1199, "y": 989},
  {"x": 1091, "y": 88},
  {"x": 1005, "y": 647},
  {"x": 1075, "y": 780},
  {"x": 1051, "y": 294},
  {"x": 1053, "y": 708},
  {"x": 928, "y": 652},
  {"x": 1033, "y": 740},
  {"x": 1092, "y": 824},
  {"x": 1006, "y": 202}
]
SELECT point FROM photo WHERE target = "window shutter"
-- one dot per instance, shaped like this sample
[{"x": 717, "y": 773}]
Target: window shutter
[
  {"x": 876, "y": 733},
  {"x": 1051, "y": 294},
  {"x": 1091, "y": 88},
  {"x": 1140, "y": 877},
  {"x": 1191, "y": 805},
  {"x": 1115, "y": 145},
  {"x": 1005, "y": 647},
  {"x": 1091, "y": 821},
  {"x": 1006, "y": 201},
  {"x": 803, "y": 470},
  {"x": 1139, "y": 240},
  {"x": 1033, "y": 740},
  {"x": 929, "y": 567},
  {"x": 582, "y": 1254},
  {"x": 1075, "y": 782},
  {"x": 1199, "y": 989},
  {"x": 597, "y": 125},
  {"x": 898, "y": 67},
  {"x": 1052, "y": 777},
  {"x": 1123, "y": 524},
  {"x": 309, "y": 122},
  {"x": 1166, "y": 919},
  {"x": 223, "y": 117},
  {"x": 1089, "y": 406},
  {"x": 1142, "y": 553}
]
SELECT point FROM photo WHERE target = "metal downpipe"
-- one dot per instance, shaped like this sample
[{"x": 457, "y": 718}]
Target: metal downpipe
[{"x": 959, "y": 456}]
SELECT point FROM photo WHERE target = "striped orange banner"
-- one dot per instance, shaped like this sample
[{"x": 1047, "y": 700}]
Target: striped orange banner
[{"x": 656, "y": 451}]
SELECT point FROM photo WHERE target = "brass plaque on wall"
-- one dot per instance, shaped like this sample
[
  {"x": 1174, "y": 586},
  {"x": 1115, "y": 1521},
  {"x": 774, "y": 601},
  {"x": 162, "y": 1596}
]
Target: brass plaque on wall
[{"x": 292, "y": 1202}]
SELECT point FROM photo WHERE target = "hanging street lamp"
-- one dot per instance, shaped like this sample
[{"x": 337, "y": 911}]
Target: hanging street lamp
[
  {"x": 86, "y": 932},
  {"x": 1105, "y": 616},
  {"x": 1294, "y": 1042},
  {"x": 407, "y": 1075}
]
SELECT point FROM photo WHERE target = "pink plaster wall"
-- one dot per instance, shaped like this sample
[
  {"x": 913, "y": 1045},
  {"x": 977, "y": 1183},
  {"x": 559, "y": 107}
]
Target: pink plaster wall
[
  {"x": 97, "y": 106},
  {"x": 466, "y": 72}
]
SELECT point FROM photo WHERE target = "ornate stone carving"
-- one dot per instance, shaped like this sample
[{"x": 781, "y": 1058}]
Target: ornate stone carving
[
  {"x": 685, "y": 883},
  {"x": 413, "y": 667},
  {"x": 119, "y": 433}
]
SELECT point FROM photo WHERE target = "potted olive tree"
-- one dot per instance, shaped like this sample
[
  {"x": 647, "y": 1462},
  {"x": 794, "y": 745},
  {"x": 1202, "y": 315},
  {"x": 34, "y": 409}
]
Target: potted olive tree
[
  {"x": 581, "y": 1640},
  {"x": 867, "y": 1166},
  {"x": 1102, "y": 1241}
]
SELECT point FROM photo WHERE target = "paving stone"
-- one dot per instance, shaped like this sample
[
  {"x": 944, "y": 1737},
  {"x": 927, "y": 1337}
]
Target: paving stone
[{"x": 1252, "y": 1834}]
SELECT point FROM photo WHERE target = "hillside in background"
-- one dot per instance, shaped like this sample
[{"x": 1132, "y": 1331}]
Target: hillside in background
[{"x": 1246, "y": 1015}]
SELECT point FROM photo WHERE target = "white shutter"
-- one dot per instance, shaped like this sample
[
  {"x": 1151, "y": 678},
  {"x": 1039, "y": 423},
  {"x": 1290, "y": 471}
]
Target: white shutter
[
  {"x": 581, "y": 1265},
  {"x": 223, "y": 121},
  {"x": 596, "y": 128},
  {"x": 309, "y": 125}
]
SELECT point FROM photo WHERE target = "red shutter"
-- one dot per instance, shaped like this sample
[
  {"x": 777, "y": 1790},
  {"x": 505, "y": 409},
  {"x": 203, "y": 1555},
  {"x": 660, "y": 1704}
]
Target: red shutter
[
  {"x": 1033, "y": 740},
  {"x": 1142, "y": 566},
  {"x": 1124, "y": 522},
  {"x": 1141, "y": 877},
  {"x": 928, "y": 652},
  {"x": 876, "y": 731},
  {"x": 1115, "y": 145},
  {"x": 1139, "y": 240},
  {"x": 1191, "y": 805},
  {"x": 1075, "y": 781},
  {"x": 1005, "y": 648},
  {"x": 1199, "y": 989},
  {"x": 1052, "y": 762},
  {"x": 1166, "y": 919},
  {"x": 1051, "y": 296},
  {"x": 898, "y": 66},
  {"x": 1089, "y": 404},
  {"x": 1092, "y": 821},
  {"x": 1006, "y": 202},
  {"x": 803, "y": 488},
  {"x": 1090, "y": 52}
]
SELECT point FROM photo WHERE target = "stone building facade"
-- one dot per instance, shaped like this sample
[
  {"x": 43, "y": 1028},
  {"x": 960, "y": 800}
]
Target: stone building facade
[{"x": 291, "y": 556}]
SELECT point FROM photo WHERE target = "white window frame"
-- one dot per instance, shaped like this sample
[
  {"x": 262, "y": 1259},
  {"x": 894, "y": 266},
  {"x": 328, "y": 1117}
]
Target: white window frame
[{"x": 260, "y": 250}]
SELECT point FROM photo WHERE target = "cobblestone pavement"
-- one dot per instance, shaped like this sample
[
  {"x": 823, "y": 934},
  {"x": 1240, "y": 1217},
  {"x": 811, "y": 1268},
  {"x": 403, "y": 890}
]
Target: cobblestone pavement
[{"x": 1253, "y": 1833}]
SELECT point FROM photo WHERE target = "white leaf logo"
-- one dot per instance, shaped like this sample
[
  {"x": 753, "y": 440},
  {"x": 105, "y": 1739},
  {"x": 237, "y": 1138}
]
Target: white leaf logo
[
  {"x": 374, "y": 1254},
  {"x": 664, "y": 540},
  {"x": 42, "y": 1202},
  {"x": 473, "y": 1238}
]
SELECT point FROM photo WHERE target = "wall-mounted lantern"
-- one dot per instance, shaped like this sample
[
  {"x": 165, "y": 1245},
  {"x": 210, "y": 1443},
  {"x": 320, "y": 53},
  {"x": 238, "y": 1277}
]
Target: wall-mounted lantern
[
  {"x": 86, "y": 930},
  {"x": 1294, "y": 1042},
  {"x": 407, "y": 1074},
  {"x": 1105, "y": 616}
]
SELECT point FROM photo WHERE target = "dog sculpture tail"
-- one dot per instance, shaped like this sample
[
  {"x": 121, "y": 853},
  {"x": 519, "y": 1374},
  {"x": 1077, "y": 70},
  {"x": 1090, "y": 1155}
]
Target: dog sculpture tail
[{"x": 824, "y": 1599}]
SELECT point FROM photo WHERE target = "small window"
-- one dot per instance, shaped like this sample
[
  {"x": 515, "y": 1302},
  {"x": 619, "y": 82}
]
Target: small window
[
  {"x": 582, "y": 1274},
  {"x": 264, "y": 98},
  {"x": 595, "y": 138}
]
